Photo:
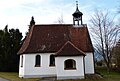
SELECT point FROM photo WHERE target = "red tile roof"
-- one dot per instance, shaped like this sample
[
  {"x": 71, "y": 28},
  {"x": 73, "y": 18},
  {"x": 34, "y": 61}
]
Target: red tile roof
[
  {"x": 50, "y": 38},
  {"x": 69, "y": 49}
]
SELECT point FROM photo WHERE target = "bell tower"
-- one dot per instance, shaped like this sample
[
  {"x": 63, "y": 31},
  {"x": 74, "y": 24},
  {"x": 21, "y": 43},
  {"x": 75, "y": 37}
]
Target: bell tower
[{"x": 77, "y": 16}]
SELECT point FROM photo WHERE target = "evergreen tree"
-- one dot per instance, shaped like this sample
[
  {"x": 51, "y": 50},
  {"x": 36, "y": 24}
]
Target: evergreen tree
[
  {"x": 15, "y": 42},
  {"x": 1, "y": 49},
  {"x": 32, "y": 22},
  {"x": 6, "y": 48},
  {"x": 10, "y": 43}
]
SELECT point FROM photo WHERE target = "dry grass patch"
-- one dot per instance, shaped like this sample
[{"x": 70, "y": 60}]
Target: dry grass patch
[{"x": 12, "y": 76}]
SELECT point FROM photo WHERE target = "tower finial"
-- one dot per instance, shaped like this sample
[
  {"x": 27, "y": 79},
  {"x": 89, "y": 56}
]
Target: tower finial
[
  {"x": 77, "y": 6},
  {"x": 77, "y": 15},
  {"x": 76, "y": 3}
]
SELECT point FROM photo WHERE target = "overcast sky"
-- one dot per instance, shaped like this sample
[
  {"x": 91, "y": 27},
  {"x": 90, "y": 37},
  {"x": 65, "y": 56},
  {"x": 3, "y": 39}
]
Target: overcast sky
[{"x": 17, "y": 13}]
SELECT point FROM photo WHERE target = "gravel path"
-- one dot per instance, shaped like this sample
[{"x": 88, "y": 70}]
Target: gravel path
[
  {"x": 2, "y": 79},
  {"x": 48, "y": 79}
]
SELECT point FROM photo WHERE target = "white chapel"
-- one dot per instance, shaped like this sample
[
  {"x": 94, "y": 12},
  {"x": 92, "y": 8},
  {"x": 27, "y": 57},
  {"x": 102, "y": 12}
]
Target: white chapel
[{"x": 64, "y": 51}]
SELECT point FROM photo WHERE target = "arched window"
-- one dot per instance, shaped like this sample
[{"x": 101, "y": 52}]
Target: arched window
[
  {"x": 70, "y": 64},
  {"x": 52, "y": 60},
  {"x": 37, "y": 60},
  {"x": 22, "y": 61}
]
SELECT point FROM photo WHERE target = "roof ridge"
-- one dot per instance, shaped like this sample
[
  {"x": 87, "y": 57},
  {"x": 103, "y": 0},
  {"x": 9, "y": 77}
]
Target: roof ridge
[{"x": 51, "y": 24}]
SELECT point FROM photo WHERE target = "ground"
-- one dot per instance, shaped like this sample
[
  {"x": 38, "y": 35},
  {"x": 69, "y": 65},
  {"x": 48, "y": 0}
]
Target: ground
[
  {"x": 13, "y": 76},
  {"x": 113, "y": 76}
]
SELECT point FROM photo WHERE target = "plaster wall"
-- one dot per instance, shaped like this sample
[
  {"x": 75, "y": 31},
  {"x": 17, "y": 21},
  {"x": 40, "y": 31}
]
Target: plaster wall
[
  {"x": 77, "y": 73},
  {"x": 89, "y": 63},
  {"x": 29, "y": 69}
]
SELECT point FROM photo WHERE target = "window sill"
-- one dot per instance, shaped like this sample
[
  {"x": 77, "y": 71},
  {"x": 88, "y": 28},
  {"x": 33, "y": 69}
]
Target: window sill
[
  {"x": 37, "y": 66},
  {"x": 51, "y": 65},
  {"x": 69, "y": 68}
]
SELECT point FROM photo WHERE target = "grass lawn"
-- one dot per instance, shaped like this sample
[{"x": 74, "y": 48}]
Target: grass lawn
[
  {"x": 14, "y": 77},
  {"x": 113, "y": 76}
]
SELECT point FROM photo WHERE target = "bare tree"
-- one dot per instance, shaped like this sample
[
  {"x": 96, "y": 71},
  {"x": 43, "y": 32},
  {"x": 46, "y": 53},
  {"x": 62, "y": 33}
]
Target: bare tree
[
  {"x": 104, "y": 34},
  {"x": 119, "y": 9},
  {"x": 116, "y": 53},
  {"x": 116, "y": 56},
  {"x": 60, "y": 20}
]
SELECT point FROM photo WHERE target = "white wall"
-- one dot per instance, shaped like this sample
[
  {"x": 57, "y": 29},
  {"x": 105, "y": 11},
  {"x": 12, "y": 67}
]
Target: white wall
[
  {"x": 29, "y": 69},
  {"x": 70, "y": 74},
  {"x": 89, "y": 63},
  {"x": 21, "y": 69}
]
